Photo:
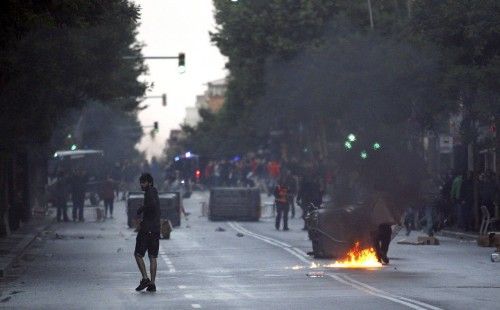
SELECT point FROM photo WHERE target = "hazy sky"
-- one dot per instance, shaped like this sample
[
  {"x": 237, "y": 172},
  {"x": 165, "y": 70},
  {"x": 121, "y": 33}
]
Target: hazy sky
[{"x": 167, "y": 28}]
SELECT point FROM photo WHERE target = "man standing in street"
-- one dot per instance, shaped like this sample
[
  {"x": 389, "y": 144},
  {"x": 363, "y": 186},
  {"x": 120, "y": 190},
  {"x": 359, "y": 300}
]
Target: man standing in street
[
  {"x": 78, "y": 188},
  {"x": 108, "y": 195},
  {"x": 148, "y": 237},
  {"x": 60, "y": 196},
  {"x": 281, "y": 201},
  {"x": 309, "y": 195},
  {"x": 291, "y": 184}
]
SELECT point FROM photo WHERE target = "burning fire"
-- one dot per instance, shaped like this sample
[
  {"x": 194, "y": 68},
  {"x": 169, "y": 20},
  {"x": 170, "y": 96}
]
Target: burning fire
[{"x": 358, "y": 258}]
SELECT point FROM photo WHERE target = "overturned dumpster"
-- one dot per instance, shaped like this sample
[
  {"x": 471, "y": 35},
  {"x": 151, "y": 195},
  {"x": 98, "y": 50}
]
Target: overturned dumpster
[
  {"x": 228, "y": 203},
  {"x": 335, "y": 230}
]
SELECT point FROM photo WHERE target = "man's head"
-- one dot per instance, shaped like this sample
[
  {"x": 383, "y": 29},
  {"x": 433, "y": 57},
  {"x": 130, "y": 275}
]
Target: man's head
[{"x": 146, "y": 180}]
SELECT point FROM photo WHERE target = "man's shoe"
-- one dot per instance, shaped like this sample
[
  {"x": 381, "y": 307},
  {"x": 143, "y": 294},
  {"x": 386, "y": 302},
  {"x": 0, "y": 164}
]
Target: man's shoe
[
  {"x": 384, "y": 260},
  {"x": 144, "y": 283},
  {"x": 151, "y": 287},
  {"x": 286, "y": 228}
]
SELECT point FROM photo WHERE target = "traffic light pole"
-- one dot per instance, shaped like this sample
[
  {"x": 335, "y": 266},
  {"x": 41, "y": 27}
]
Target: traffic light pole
[{"x": 151, "y": 57}]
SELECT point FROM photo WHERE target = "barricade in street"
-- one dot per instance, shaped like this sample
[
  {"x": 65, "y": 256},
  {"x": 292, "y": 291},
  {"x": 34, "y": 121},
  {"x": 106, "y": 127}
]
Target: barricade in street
[
  {"x": 234, "y": 204},
  {"x": 169, "y": 207}
]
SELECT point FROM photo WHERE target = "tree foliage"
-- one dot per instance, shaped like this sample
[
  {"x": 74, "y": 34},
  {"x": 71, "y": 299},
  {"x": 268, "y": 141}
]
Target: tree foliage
[{"x": 59, "y": 55}]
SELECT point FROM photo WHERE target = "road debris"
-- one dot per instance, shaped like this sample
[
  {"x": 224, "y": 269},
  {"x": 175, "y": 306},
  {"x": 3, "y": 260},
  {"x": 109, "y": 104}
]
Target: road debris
[
  {"x": 316, "y": 274},
  {"x": 407, "y": 242},
  {"x": 220, "y": 229}
]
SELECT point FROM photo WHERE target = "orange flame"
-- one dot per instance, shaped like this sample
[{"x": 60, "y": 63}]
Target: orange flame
[{"x": 358, "y": 258}]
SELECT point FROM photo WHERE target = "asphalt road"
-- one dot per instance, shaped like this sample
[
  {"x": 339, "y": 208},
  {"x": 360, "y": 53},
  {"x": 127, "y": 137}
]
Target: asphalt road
[{"x": 248, "y": 265}]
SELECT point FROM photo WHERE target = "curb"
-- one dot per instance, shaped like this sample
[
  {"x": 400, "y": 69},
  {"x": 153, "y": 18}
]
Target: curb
[
  {"x": 458, "y": 235},
  {"x": 17, "y": 251}
]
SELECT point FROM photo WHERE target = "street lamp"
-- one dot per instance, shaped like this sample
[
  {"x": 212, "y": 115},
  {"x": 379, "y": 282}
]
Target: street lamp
[
  {"x": 351, "y": 137},
  {"x": 364, "y": 155}
]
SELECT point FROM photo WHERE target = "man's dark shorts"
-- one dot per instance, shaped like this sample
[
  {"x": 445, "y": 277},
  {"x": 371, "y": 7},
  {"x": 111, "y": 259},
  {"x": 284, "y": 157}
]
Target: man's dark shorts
[{"x": 147, "y": 241}]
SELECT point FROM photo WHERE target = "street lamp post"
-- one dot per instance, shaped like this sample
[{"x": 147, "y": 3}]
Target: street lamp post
[{"x": 370, "y": 13}]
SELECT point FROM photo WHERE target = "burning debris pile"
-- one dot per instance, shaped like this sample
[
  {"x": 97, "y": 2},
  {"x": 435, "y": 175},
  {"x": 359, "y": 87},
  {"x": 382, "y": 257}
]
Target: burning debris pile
[{"x": 358, "y": 258}]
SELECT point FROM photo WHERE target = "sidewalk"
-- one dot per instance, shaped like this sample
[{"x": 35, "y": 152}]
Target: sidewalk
[
  {"x": 458, "y": 234},
  {"x": 13, "y": 246}
]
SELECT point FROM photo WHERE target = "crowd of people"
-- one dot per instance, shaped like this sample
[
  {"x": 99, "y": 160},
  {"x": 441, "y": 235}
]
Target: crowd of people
[{"x": 449, "y": 202}]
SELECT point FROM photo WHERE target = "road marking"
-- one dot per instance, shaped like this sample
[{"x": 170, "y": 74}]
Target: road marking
[
  {"x": 189, "y": 296},
  {"x": 345, "y": 279},
  {"x": 167, "y": 260},
  {"x": 271, "y": 241},
  {"x": 182, "y": 287},
  {"x": 196, "y": 306}
]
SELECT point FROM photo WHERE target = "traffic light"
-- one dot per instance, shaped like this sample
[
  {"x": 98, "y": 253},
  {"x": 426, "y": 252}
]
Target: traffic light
[
  {"x": 74, "y": 147},
  {"x": 364, "y": 155},
  {"x": 351, "y": 137},
  {"x": 182, "y": 60},
  {"x": 155, "y": 126},
  {"x": 164, "y": 100},
  {"x": 348, "y": 145},
  {"x": 376, "y": 146}
]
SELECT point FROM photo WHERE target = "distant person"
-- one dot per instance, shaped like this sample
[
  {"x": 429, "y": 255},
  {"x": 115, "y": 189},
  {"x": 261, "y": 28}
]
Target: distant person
[
  {"x": 281, "y": 201},
  {"x": 108, "y": 195},
  {"x": 430, "y": 198},
  {"x": 148, "y": 236},
  {"x": 467, "y": 198},
  {"x": 455, "y": 194},
  {"x": 291, "y": 184},
  {"x": 60, "y": 195},
  {"x": 78, "y": 185},
  {"x": 488, "y": 191},
  {"x": 309, "y": 195}
]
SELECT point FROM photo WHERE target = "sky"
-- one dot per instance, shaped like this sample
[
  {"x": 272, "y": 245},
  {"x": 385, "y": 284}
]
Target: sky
[{"x": 169, "y": 27}]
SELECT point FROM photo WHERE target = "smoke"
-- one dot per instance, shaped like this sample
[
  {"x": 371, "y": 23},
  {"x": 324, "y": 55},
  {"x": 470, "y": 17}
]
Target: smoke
[
  {"x": 379, "y": 88},
  {"x": 101, "y": 127}
]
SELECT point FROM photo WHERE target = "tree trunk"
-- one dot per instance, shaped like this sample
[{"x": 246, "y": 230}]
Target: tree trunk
[{"x": 497, "y": 160}]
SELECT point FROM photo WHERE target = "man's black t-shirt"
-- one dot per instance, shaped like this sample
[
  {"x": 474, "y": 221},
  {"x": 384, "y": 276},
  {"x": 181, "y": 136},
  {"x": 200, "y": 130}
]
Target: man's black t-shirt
[{"x": 151, "y": 211}]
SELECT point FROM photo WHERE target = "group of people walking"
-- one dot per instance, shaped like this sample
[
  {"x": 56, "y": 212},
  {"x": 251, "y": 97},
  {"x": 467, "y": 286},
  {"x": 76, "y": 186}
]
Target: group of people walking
[{"x": 75, "y": 186}]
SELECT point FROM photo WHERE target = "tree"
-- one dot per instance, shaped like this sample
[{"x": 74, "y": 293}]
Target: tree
[
  {"x": 59, "y": 55},
  {"x": 467, "y": 33}
]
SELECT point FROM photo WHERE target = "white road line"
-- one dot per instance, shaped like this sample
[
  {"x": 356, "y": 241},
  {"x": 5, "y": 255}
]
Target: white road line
[
  {"x": 167, "y": 260},
  {"x": 196, "y": 306},
  {"x": 413, "y": 304},
  {"x": 188, "y": 296},
  {"x": 182, "y": 287},
  {"x": 374, "y": 293},
  {"x": 399, "y": 297}
]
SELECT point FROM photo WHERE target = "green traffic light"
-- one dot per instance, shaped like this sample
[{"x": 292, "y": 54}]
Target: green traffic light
[
  {"x": 364, "y": 155},
  {"x": 348, "y": 145},
  {"x": 74, "y": 147},
  {"x": 376, "y": 146},
  {"x": 351, "y": 137}
]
